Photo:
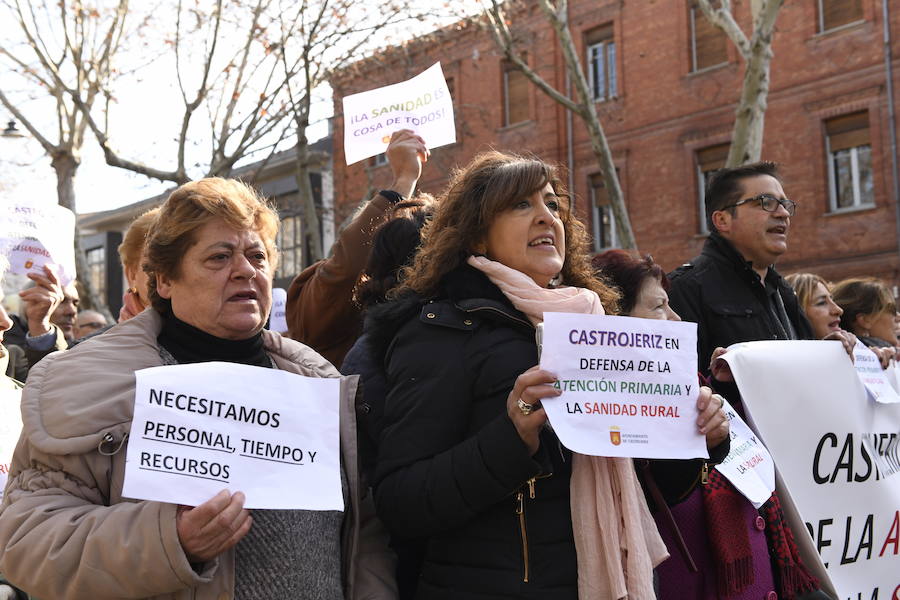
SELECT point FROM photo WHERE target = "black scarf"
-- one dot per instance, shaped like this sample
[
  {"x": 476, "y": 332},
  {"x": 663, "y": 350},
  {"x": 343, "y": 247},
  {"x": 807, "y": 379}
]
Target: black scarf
[{"x": 191, "y": 345}]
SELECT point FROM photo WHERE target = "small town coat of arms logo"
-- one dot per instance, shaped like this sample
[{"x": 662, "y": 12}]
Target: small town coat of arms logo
[{"x": 615, "y": 436}]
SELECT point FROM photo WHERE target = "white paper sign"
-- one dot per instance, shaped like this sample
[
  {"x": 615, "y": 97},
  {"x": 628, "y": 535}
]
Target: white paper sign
[
  {"x": 10, "y": 429},
  {"x": 748, "y": 466},
  {"x": 868, "y": 367},
  {"x": 422, "y": 104},
  {"x": 806, "y": 402},
  {"x": 33, "y": 235},
  {"x": 201, "y": 428},
  {"x": 629, "y": 385},
  {"x": 277, "y": 319}
]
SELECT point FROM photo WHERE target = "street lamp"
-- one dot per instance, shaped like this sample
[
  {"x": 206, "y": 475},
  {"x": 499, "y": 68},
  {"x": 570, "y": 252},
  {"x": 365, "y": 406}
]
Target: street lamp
[{"x": 12, "y": 131}]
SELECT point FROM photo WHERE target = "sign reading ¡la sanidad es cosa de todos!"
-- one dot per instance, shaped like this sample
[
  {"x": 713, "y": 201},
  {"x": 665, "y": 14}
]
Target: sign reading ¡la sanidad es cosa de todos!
[
  {"x": 36, "y": 234},
  {"x": 629, "y": 386},
  {"x": 422, "y": 104},
  {"x": 201, "y": 428},
  {"x": 836, "y": 452}
]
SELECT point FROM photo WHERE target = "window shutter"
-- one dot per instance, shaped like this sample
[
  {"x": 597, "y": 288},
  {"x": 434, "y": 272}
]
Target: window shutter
[
  {"x": 598, "y": 34},
  {"x": 848, "y": 131},
  {"x": 598, "y": 190},
  {"x": 839, "y": 12},
  {"x": 712, "y": 158},
  {"x": 516, "y": 96},
  {"x": 710, "y": 42}
]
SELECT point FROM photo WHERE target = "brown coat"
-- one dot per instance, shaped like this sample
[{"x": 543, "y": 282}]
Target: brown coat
[
  {"x": 320, "y": 310},
  {"x": 65, "y": 529}
]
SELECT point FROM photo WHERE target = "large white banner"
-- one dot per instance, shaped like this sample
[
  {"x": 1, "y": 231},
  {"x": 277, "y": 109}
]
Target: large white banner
[
  {"x": 629, "y": 385},
  {"x": 422, "y": 104},
  {"x": 834, "y": 449},
  {"x": 33, "y": 235},
  {"x": 201, "y": 428}
]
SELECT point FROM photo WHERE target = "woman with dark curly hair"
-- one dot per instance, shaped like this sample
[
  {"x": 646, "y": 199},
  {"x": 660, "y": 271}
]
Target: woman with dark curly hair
[{"x": 466, "y": 464}]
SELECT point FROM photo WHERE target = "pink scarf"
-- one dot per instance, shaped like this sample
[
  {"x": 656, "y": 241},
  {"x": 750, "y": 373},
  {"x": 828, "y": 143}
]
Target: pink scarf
[{"x": 616, "y": 540}]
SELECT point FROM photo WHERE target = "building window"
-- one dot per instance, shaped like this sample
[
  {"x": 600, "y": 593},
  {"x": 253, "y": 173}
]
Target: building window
[
  {"x": 515, "y": 95},
  {"x": 604, "y": 222},
  {"x": 290, "y": 247},
  {"x": 709, "y": 44},
  {"x": 96, "y": 265},
  {"x": 849, "y": 161},
  {"x": 837, "y": 13},
  {"x": 709, "y": 160},
  {"x": 601, "y": 63}
]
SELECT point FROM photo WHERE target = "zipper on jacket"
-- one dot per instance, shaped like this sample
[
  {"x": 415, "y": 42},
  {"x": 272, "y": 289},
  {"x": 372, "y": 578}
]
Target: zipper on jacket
[
  {"x": 520, "y": 511},
  {"x": 704, "y": 473}
]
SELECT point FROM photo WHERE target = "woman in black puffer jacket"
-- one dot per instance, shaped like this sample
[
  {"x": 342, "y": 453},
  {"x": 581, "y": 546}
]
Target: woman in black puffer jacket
[{"x": 465, "y": 464}]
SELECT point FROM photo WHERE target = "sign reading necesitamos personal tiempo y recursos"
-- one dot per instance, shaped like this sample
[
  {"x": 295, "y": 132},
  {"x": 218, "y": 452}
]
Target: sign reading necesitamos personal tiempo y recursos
[
  {"x": 629, "y": 385},
  {"x": 201, "y": 428},
  {"x": 422, "y": 104}
]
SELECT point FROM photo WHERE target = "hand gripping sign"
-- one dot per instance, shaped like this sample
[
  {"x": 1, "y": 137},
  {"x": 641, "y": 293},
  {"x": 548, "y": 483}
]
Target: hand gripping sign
[
  {"x": 629, "y": 385},
  {"x": 422, "y": 104},
  {"x": 201, "y": 428}
]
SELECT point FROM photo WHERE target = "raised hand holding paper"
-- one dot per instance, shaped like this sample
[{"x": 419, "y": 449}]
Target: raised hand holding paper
[
  {"x": 33, "y": 235},
  {"x": 201, "y": 428},
  {"x": 422, "y": 104},
  {"x": 629, "y": 385}
]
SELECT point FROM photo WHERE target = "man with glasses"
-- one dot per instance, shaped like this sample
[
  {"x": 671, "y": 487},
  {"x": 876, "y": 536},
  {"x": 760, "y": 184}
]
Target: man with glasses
[{"x": 732, "y": 290}]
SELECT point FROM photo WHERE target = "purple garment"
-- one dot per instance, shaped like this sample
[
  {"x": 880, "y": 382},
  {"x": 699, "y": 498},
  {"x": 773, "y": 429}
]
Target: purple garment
[{"x": 676, "y": 582}]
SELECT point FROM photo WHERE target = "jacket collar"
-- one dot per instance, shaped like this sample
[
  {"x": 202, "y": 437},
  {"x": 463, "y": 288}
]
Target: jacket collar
[
  {"x": 720, "y": 249},
  {"x": 471, "y": 290}
]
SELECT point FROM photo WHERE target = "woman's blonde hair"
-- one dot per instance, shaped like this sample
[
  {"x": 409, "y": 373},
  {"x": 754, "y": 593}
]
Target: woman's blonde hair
[
  {"x": 192, "y": 206},
  {"x": 476, "y": 194},
  {"x": 132, "y": 247},
  {"x": 804, "y": 285},
  {"x": 862, "y": 296}
]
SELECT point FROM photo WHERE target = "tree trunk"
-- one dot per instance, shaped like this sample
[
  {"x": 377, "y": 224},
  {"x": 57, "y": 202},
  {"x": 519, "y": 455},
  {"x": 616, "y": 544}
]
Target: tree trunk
[
  {"x": 66, "y": 166},
  {"x": 747, "y": 136},
  {"x": 311, "y": 229}
]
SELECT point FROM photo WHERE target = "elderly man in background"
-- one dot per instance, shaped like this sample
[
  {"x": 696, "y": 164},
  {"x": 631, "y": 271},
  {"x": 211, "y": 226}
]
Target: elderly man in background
[{"x": 88, "y": 322}]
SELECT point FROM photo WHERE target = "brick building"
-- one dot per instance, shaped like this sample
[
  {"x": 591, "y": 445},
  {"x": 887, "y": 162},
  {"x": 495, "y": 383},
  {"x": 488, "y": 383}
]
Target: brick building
[{"x": 667, "y": 83}]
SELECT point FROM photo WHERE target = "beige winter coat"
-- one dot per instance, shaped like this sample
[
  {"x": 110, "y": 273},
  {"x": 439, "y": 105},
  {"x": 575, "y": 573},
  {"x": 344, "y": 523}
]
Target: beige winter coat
[{"x": 65, "y": 530}]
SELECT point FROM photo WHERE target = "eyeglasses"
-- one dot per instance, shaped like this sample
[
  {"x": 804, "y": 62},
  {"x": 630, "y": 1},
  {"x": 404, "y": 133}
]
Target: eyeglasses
[{"x": 769, "y": 203}]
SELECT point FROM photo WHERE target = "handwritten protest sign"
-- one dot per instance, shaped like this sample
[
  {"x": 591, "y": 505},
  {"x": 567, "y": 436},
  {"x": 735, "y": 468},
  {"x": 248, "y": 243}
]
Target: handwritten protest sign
[
  {"x": 827, "y": 438},
  {"x": 748, "y": 466},
  {"x": 422, "y": 104},
  {"x": 629, "y": 385},
  {"x": 10, "y": 428},
  {"x": 201, "y": 428},
  {"x": 277, "y": 320},
  {"x": 33, "y": 235},
  {"x": 876, "y": 380}
]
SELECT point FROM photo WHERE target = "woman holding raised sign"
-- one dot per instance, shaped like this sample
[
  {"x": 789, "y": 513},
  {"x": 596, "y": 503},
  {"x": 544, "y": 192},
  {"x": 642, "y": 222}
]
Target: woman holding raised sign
[
  {"x": 738, "y": 553},
  {"x": 465, "y": 462},
  {"x": 65, "y": 529}
]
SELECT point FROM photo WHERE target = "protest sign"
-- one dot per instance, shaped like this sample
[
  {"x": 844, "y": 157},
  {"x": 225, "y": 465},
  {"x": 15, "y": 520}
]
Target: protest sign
[
  {"x": 876, "y": 379},
  {"x": 277, "y": 320},
  {"x": 10, "y": 429},
  {"x": 806, "y": 401},
  {"x": 201, "y": 428},
  {"x": 748, "y": 466},
  {"x": 33, "y": 235},
  {"x": 422, "y": 104},
  {"x": 629, "y": 385}
]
